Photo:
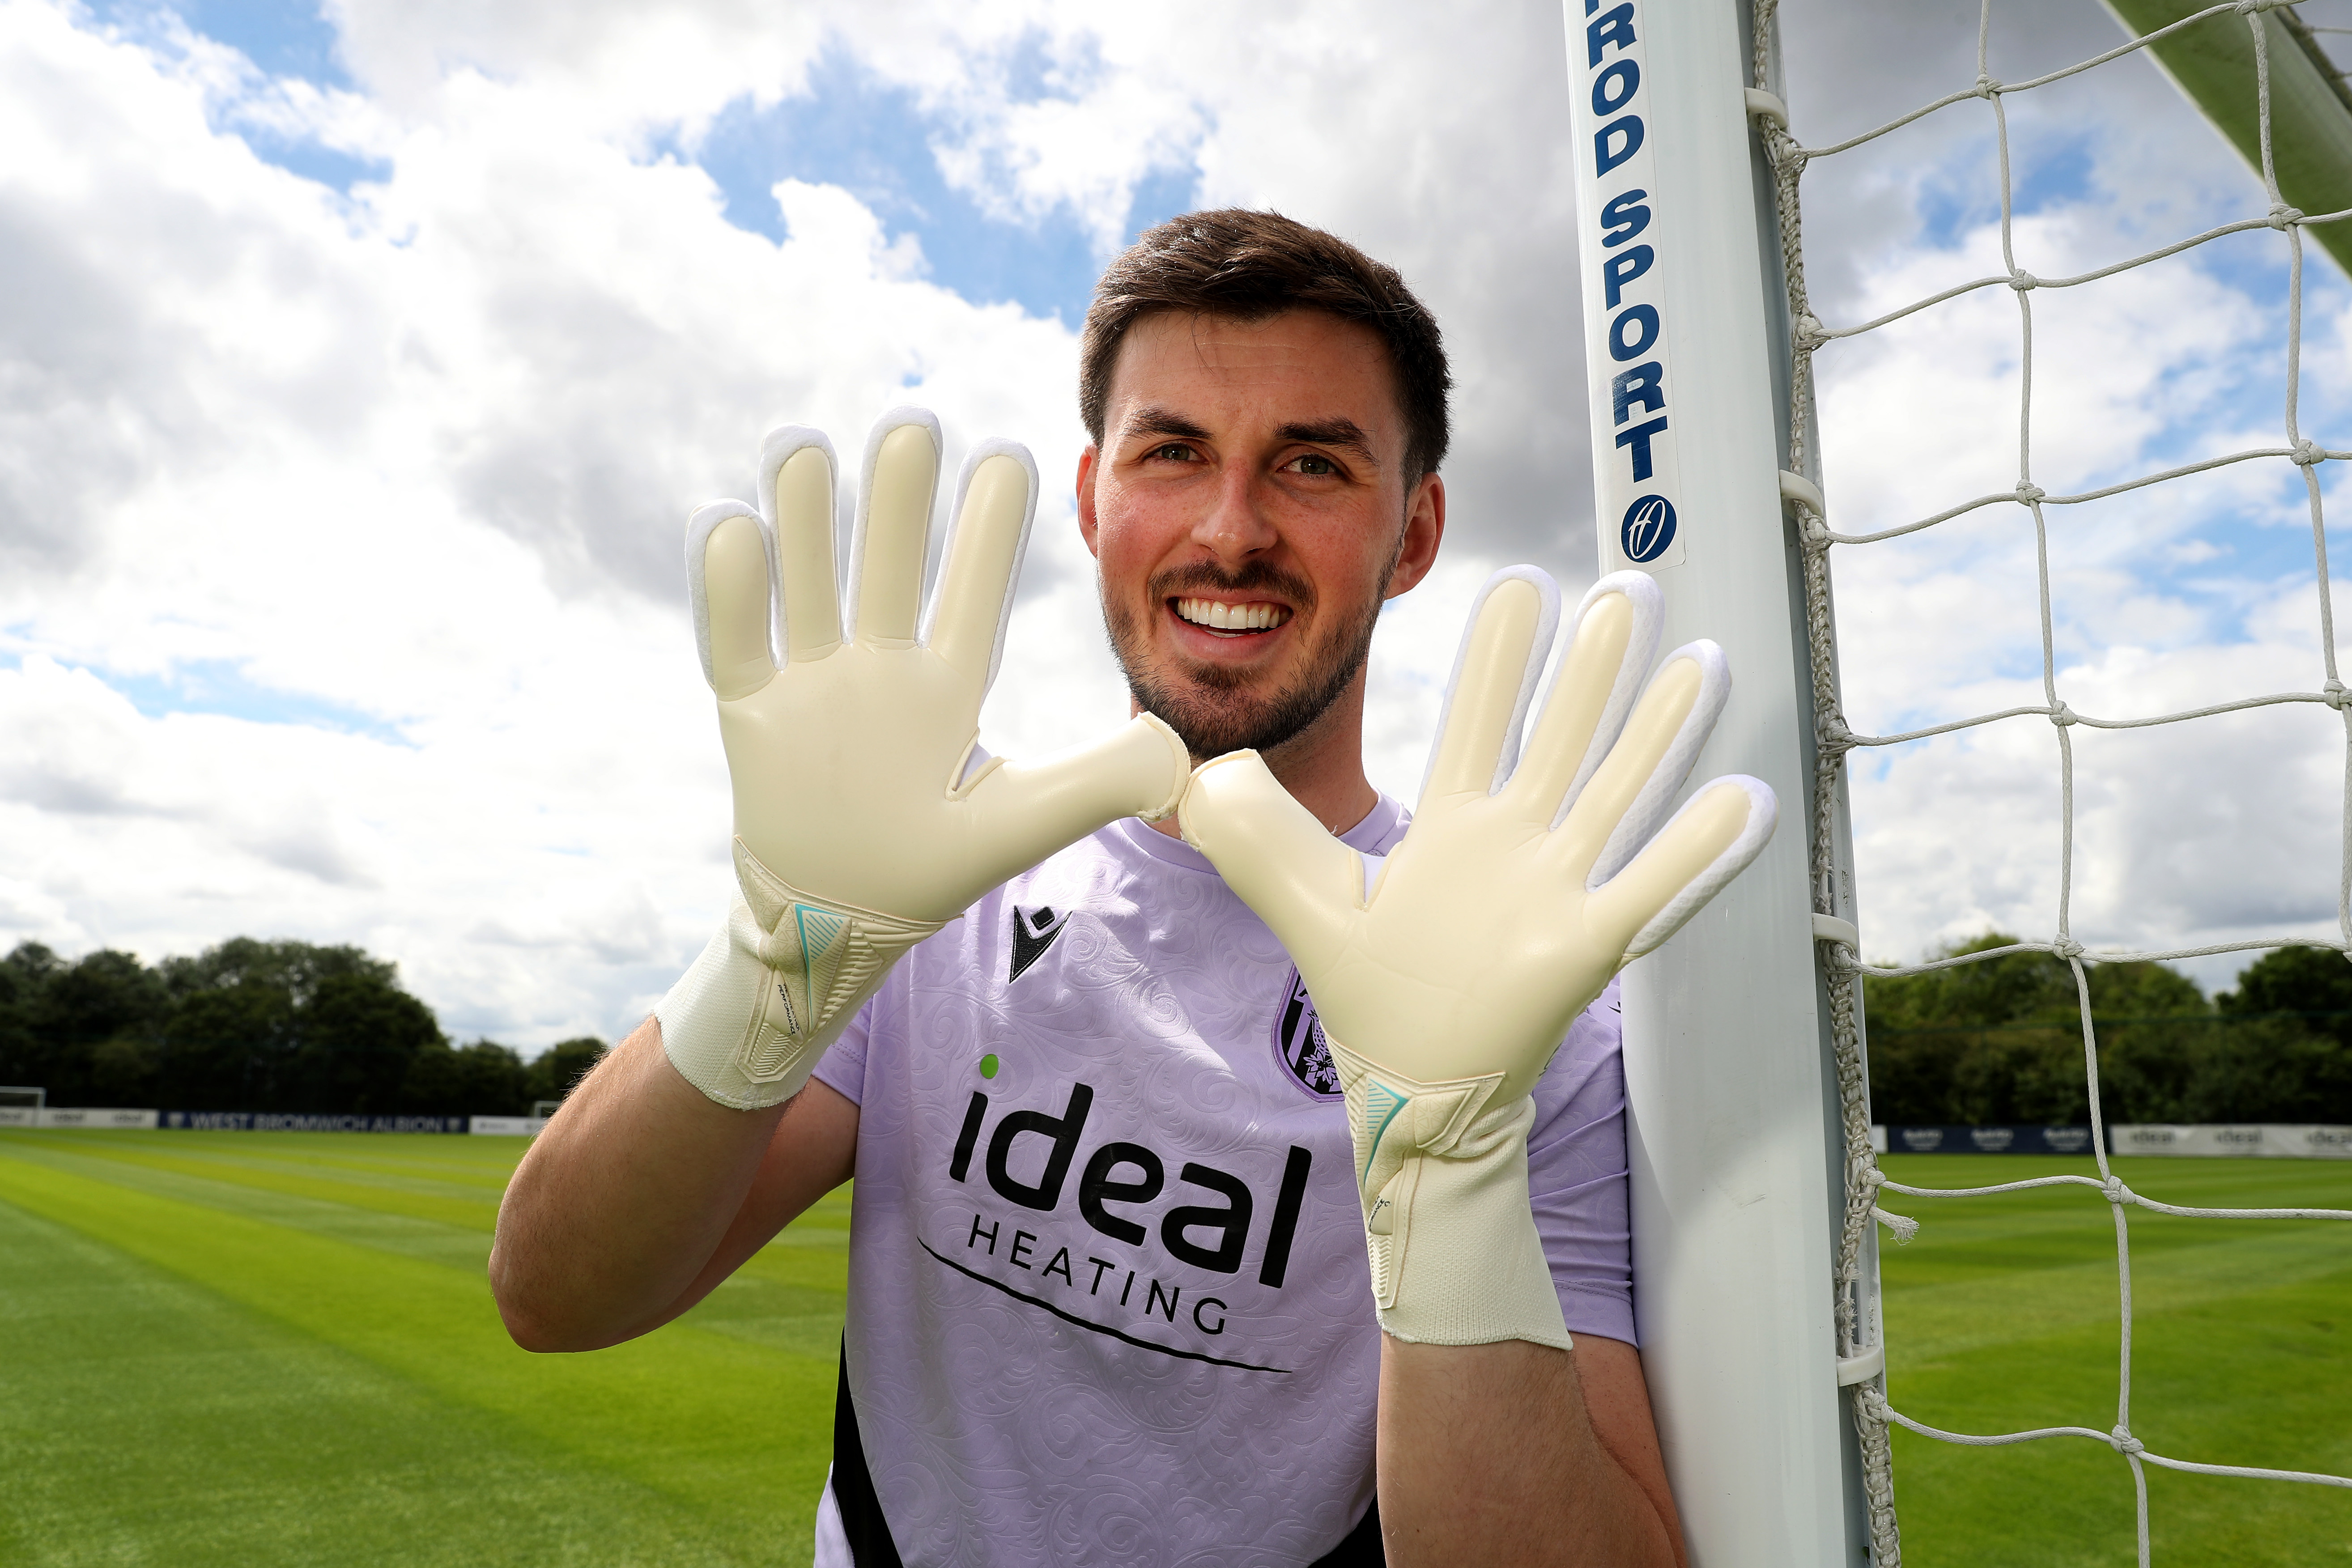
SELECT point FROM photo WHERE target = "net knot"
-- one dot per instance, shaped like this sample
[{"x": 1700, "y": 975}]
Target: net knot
[
  {"x": 2117, "y": 1192},
  {"x": 2308, "y": 452},
  {"x": 2021, "y": 282},
  {"x": 2338, "y": 695},
  {"x": 1807, "y": 334},
  {"x": 1871, "y": 1404},
  {"x": 2123, "y": 1442},
  {"x": 1833, "y": 737},
  {"x": 2063, "y": 715},
  {"x": 1987, "y": 87},
  {"x": 2282, "y": 215},
  {"x": 2027, "y": 494},
  {"x": 2066, "y": 947},
  {"x": 2255, "y": 7}
]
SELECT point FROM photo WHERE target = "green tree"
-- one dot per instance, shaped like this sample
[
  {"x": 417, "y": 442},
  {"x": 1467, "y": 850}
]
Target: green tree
[
  {"x": 1979, "y": 1043},
  {"x": 297, "y": 968},
  {"x": 25, "y": 975},
  {"x": 2000, "y": 1040},
  {"x": 62, "y": 1018},
  {"x": 485, "y": 1079},
  {"x": 556, "y": 1071},
  {"x": 357, "y": 1039},
  {"x": 2314, "y": 983},
  {"x": 227, "y": 1048}
]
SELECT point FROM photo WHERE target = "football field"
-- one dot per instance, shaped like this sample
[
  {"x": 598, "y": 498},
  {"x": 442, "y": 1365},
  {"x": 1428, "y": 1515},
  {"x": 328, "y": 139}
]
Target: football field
[
  {"x": 2002, "y": 1316},
  {"x": 253, "y": 1349},
  {"x": 257, "y": 1349}
]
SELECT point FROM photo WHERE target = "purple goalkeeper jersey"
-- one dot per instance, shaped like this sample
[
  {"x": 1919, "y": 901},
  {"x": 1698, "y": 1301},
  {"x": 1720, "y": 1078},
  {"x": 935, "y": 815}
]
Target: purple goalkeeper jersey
[{"x": 1108, "y": 1300}]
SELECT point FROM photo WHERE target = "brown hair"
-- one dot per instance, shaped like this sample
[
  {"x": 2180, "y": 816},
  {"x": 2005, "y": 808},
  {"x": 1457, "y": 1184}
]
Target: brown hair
[{"x": 1247, "y": 266}]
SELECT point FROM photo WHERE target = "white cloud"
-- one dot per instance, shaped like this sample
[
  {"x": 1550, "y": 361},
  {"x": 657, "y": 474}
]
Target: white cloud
[
  {"x": 2191, "y": 592},
  {"x": 419, "y": 453}
]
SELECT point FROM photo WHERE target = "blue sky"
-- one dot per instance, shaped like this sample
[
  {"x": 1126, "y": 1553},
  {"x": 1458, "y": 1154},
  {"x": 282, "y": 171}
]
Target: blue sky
[
  {"x": 550, "y": 323},
  {"x": 873, "y": 140},
  {"x": 850, "y": 129}
]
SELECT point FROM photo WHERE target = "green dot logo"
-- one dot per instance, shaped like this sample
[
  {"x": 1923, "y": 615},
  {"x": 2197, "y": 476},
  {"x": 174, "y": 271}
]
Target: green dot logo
[{"x": 988, "y": 1065}]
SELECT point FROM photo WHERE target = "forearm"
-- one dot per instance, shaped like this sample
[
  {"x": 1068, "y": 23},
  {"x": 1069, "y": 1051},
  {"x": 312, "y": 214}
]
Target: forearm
[
  {"x": 622, "y": 1202},
  {"x": 1490, "y": 1454}
]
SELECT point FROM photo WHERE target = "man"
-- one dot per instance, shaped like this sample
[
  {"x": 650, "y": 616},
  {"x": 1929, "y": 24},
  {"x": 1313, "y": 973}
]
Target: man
[{"x": 1108, "y": 1266}]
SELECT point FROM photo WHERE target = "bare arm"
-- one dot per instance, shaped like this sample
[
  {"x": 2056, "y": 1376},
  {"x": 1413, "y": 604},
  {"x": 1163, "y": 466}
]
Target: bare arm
[
  {"x": 642, "y": 1194},
  {"x": 1518, "y": 1453}
]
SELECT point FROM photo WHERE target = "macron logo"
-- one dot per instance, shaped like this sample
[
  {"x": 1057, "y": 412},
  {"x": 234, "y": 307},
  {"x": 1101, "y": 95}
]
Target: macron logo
[{"x": 1034, "y": 930}]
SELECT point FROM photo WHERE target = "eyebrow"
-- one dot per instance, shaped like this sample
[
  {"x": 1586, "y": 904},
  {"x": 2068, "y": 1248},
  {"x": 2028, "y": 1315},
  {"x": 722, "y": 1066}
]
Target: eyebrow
[
  {"x": 1153, "y": 420},
  {"x": 1338, "y": 431}
]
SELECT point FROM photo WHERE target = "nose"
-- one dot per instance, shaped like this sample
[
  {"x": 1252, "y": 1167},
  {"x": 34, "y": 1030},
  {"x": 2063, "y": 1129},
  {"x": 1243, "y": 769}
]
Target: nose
[{"x": 1235, "y": 527}]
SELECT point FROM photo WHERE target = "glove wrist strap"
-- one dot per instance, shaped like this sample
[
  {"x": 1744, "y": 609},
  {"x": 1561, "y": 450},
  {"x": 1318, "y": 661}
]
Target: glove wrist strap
[
  {"x": 1443, "y": 1173},
  {"x": 778, "y": 984}
]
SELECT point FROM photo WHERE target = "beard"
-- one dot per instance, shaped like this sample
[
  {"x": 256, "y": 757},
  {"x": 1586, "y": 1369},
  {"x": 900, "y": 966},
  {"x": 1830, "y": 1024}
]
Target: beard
[{"x": 1207, "y": 705}]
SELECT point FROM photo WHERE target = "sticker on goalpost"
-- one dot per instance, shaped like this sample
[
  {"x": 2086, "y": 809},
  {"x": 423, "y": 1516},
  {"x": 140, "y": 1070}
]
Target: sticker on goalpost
[{"x": 1637, "y": 482}]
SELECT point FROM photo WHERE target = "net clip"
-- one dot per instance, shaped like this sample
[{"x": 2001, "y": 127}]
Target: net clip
[{"x": 1767, "y": 107}]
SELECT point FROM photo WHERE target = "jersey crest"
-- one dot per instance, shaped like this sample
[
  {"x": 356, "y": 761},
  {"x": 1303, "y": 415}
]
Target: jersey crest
[{"x": 1299, "y": 1045}]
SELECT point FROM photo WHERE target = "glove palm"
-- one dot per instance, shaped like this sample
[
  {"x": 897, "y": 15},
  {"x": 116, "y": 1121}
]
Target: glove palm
[
  {"x": 861, "y": 824},
  {"x": 1446, "y": 987}
]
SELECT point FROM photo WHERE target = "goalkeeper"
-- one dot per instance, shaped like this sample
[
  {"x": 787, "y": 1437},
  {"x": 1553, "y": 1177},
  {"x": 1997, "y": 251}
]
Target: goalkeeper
[{"x": 1229, "y": 1198}]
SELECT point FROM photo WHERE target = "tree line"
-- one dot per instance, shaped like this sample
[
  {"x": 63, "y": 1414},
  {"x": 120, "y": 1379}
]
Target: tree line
[
  {"x": 2000, "y": 1041},
  {"x": 255, "y": 1025}
]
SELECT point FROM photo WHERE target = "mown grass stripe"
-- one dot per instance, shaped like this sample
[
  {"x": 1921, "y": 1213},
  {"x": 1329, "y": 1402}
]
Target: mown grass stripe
[
  {"x": 2003, "y": 1316},
  {"x": 730, "y": 1430}
]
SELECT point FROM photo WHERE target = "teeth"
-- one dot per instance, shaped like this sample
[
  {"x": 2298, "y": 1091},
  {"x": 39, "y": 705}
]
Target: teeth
[{"x": 1218, "y": 615}]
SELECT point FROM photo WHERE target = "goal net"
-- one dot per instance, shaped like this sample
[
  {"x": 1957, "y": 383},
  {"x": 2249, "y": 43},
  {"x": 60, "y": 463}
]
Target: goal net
[
  {"x": 21, "y": 1106},
  {"x": 1944, "y": 470}
]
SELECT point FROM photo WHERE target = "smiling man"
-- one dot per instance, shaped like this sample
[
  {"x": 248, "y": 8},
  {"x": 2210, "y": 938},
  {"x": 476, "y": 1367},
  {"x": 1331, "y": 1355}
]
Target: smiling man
[{"x": 1109, "y": 1291}]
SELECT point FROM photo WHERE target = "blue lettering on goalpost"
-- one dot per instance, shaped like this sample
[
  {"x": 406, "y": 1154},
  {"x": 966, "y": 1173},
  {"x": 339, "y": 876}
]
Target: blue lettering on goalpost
[{"x": 1637, "y": 477}]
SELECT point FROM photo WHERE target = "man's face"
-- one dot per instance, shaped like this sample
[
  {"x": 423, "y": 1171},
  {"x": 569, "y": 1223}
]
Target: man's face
[{"x": 1249, "y": 512}]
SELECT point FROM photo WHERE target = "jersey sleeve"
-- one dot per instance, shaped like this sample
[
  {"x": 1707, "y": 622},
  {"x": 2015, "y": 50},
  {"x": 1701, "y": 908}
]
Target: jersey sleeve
[
  {"x": 843, "y": 1066},
  {"x": 1577, "y": 1176}
]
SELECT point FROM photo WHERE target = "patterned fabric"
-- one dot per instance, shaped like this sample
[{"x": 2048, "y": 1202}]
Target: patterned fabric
[{"x": 1109, "y": 1299}]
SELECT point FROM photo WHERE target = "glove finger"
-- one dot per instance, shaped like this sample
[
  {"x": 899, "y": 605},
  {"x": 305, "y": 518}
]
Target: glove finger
[
  {"x": 1633, "y": 789},
  {"x": 1019, "y": 812},
  {"x": 796, "y": 484},
  {"x": 1711, "y": 839},
  {"x": 996, "y": 500},
  {"x": 1616, "y": 637},
  {"x": 901, "y": 481},
  {"x": 1502, "y": 649},
  {"x": 1304, "y": 884},
  {"x": 730, "y": 582}
]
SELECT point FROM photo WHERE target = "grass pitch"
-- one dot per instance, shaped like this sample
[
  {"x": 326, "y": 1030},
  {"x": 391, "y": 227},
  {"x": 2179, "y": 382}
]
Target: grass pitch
[
  {"x": 2001, "y": 1316},
  {"x": 253, "y": 1349}
]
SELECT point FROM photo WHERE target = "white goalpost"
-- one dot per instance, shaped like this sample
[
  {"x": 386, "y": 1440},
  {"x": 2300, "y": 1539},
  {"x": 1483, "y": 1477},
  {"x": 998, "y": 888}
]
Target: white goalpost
[
  {"x": 1733, "y": 1108},
  {"x": 1755, "y": 1187}
]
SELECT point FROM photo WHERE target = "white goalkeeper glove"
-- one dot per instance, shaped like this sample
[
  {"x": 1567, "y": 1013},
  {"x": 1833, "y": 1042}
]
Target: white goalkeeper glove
[
  {"x": 860, "y": 826},
  {"x": 1518, "y": 891}
]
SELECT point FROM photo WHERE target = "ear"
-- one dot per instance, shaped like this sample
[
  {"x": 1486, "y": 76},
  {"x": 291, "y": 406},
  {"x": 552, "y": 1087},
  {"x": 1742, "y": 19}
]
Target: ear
[
  {"x": 1424, "y": 530},
  {"x": 1087, "y": 498}
]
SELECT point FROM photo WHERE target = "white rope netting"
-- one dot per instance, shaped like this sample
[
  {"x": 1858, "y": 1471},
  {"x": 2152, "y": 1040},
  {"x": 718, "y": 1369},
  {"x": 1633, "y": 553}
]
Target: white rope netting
[{"x": 1844, "y": 970}]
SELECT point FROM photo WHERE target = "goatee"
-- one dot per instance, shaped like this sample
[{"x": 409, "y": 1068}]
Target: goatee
[{"x": 1207, "y": 704}]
